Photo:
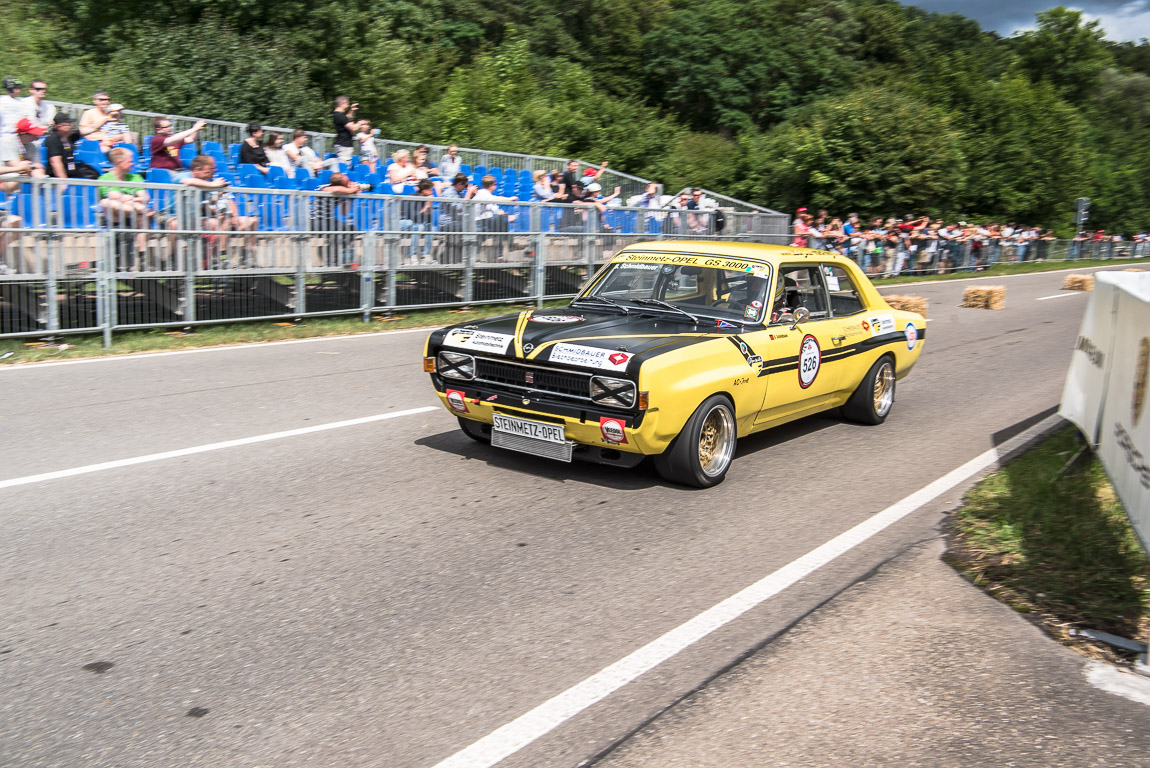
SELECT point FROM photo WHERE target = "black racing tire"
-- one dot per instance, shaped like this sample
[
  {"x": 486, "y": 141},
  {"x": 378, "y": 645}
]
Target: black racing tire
[
  {"x": 872, "y": 402},
  {"x": 702, "y": 453},
  {"x": 474, "y": 430}
]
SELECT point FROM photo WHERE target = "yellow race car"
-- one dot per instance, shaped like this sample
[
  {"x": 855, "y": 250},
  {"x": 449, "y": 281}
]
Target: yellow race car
[{"x": 674, "y": 350}]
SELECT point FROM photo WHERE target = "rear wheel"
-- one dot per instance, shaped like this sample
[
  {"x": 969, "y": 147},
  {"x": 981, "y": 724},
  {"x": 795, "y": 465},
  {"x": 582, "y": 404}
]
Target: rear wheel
[
  {"x": 874, "y": 398},
  {"x": 474, "y": 430},
  {"x": 701, "y": 455}
]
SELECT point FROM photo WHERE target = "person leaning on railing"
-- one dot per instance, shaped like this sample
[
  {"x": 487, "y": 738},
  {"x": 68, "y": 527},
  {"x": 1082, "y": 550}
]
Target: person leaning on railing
[{"x": 333, "y": 214}]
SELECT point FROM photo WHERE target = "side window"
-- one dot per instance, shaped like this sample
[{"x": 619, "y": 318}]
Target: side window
[
  {"x": 843, "y": 292},
  {"x": 800, "y": 286}
]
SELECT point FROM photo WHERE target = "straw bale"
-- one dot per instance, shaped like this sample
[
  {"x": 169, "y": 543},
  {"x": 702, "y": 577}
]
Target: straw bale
[
  {"x": 908, "y": 303},
  {"x": 1132, "y": 269},
  {"x": 985, "y": 297},
  {"x": 1078, "y": 283}
]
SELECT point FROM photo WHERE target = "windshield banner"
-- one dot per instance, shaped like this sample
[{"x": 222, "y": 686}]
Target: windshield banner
[{"x": 715, "y": 262}]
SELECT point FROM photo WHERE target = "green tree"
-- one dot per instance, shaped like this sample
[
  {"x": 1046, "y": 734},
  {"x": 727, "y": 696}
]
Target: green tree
[
  {"x": 213, "y": 70},
  {"x": 1028, "y": 154},
  {"x": 874, "y": 151},
  {"x": 729, "y": 65},
  {"x": 1065, "y": 52}
]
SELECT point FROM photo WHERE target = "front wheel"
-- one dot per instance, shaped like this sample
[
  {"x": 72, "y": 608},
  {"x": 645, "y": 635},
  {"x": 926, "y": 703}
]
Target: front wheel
[
  {"x": 874, "y": 398},
  {"x": 701, "y": 454}
]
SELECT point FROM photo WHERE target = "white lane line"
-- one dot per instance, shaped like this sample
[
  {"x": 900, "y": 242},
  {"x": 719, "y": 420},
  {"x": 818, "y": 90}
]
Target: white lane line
[
  {"x": 510, "y": 738},
  {"x": 205, "y": 448},
  {"x": 225, "y": 348},
  {"x": 1062, "y": 295}
]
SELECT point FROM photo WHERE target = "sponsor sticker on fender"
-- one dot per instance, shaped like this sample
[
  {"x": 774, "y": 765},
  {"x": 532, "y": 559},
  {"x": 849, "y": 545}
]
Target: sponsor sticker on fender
[
  {"x": 590, "y": 357},
  {"x": 480, "y": 341},
  {"x": 810, "y": 360},
  {"x": 556, "y": 319},
  {"x": 911, "y": 335},
  {"x": 457, "y": 400},
  {"x": 613, "y": 430},
  {"x": 880, "y": 324}
]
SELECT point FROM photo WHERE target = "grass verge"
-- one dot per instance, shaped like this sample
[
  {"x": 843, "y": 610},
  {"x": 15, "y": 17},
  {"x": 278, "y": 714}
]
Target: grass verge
[
  {"x": 1012, "y": 268},
  {"x": 65, "y": 347},
  {"x": 1059, "y": 549}
]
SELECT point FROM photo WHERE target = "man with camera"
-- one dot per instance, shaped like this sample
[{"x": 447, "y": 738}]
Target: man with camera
[{"x": 343, "y": 118}]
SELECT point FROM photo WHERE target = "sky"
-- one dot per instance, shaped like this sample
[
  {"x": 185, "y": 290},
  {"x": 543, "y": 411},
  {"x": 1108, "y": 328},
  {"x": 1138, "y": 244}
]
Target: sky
[{"x": 1122, "y": 19}]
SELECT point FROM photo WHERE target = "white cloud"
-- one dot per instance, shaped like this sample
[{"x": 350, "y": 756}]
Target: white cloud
[{"x": 1130, "y": 22}]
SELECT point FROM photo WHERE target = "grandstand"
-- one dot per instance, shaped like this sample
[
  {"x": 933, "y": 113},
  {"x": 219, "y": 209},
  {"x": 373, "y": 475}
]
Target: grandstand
[{"x": 285, "y": 250}]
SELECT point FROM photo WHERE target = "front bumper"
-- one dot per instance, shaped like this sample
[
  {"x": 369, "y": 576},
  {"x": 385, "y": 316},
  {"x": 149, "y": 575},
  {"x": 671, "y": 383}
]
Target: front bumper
[{"x": 605, "y": 430}]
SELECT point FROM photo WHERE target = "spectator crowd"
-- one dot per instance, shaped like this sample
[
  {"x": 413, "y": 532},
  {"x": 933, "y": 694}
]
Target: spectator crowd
[
  {"x": 36, "y": 141},
  {"x": 916, "y": 244}
]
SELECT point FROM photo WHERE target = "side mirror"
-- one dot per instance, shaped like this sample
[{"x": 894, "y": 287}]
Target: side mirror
[{"x": 801, "y": 315}]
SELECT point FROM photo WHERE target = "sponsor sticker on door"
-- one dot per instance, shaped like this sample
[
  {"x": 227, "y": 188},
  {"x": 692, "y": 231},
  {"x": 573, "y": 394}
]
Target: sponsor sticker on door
[
  {"x": 881, "y": 324},
  {"x": 590, "y": 357}
]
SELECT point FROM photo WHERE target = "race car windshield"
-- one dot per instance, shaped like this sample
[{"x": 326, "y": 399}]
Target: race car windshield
[{"x": 727, "y": 294}]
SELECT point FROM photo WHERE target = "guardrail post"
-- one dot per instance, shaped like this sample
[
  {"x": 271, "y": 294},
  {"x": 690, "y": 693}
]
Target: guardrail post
[
  {"x": 106, "y": 293},
  {"x": 539, "y": 286},
  {"x": 51, "y": 287},
  {"x": 367, "y": 276},
  {"x": 300, "y": 246}
]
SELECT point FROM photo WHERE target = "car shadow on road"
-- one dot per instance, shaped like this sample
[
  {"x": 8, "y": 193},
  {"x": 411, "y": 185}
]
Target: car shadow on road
[
  {"x": 641, "y": 477},
  {"x": 458, "y": 444}
]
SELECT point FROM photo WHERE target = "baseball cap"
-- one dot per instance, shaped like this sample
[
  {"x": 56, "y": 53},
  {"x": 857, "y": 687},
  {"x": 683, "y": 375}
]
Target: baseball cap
[
  {"x": 62, "y": 117},
  {"x": 594, "y": 187},
  {"x": 11, "y": 84},
  {"x": 115, "y": 107},
  {"x": 27, "y": 126},
  {"x": 801, "y": 210}
]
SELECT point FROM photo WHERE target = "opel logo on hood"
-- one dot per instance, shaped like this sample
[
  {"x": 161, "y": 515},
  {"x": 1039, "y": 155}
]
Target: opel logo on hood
[{"x": 527, "y": 348}]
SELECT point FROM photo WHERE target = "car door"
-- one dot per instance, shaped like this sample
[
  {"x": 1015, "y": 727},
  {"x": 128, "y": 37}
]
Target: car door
[{"x": 800, "y": 378}]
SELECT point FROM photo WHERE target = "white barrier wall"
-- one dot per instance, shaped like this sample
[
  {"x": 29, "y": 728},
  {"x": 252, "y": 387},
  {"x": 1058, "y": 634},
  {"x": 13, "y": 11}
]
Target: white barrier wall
[{"x": 1106, "y": 387}]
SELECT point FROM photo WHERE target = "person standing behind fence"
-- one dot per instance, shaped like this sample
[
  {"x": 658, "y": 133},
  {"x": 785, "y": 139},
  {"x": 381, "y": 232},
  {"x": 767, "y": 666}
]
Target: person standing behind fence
[
  {"x": 13, "y": 109},
  {"x": 333, "y": 214},
  {"x": 368, "y": 154},
  {"x": 343, "y": 118},
  {"x": 415, "y": 216},
  {"x": 165, "y": 145}
]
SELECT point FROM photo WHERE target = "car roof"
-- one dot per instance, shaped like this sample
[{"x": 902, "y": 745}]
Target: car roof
[{"x": 766, "y": 253}]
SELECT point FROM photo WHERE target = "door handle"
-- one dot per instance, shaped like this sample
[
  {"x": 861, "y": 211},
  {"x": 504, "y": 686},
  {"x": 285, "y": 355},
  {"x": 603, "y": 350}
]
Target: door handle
[{"x": 837, "y": 339}]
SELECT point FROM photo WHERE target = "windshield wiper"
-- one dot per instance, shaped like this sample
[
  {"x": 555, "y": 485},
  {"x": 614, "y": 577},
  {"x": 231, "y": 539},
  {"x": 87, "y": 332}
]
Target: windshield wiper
[
  {"x": 667, "y": 305},
  {"x": 604, "y": 299}
]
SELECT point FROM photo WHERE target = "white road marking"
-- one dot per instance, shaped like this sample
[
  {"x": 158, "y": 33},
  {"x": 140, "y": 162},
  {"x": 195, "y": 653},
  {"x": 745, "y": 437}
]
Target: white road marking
[
  {"x": 205, "y": 448},
  {"x": 226, "y": 348},
  {"x": 510, "y": 738},
  {"x": 1062, "y": 295}
]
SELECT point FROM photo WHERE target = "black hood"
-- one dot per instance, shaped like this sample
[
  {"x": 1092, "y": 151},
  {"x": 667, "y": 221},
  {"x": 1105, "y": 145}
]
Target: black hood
[{"x": 534, "y": 335}]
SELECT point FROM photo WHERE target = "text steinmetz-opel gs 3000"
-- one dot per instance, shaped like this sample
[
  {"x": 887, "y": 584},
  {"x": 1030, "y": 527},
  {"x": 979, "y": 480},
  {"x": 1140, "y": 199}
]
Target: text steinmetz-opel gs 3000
[{"x": 674, "y": 350}]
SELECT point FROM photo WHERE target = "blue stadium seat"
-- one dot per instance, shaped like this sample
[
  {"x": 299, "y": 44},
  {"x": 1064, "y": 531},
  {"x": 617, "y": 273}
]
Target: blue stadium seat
[
  {"x": 211, "y": 147},
  {"x": 283, "y": 182},
  {"x": 21, "y": 205},
  {"x": 146, "y": 148},
  {"x": 90, "y": 145},
  {"x": 158, "y": 176},
  {"x": 187, "y": 154},
  {"x": 465, "y": 169},
  {"x": 274, "y": 213},
  {"x": 323, "y": 177},
  {"x": 301, "y": 177},
  {"x": 254, "y": 180},
  {"x": 96, "y": 159},
  {"x": 480, "y": 172},
  {"x": 275, "y": 172},
  {"x": 81, "y": 208},
  {"x": 234, "y": 155}
]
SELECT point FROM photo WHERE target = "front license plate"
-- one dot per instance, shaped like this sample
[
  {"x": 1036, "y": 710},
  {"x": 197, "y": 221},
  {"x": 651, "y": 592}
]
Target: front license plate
[{"x": 535, "y": 430}]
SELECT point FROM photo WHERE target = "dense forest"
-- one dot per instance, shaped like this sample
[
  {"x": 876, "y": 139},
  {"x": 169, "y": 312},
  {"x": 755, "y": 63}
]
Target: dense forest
[{"x": 864, "y": 105}]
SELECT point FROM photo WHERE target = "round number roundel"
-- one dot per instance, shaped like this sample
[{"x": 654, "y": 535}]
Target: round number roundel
[{"x": 810, "y": 358}]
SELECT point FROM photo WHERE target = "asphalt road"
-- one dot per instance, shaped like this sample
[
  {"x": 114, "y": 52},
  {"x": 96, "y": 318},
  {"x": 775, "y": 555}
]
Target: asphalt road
[{"x": 388, "y": 593}]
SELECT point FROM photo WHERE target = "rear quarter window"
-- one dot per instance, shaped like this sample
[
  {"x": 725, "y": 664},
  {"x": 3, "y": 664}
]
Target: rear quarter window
[{"x": 844, "y": 294}]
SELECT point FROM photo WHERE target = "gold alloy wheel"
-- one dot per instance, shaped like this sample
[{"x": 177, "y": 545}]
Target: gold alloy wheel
[
  {"x": 716, "y": 441},
  {"x": 884, "y": 388}
]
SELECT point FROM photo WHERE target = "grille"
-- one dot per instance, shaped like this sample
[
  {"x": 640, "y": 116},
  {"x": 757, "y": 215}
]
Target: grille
[
  {"x": 543, "y": 380},
  {"x": 557, "y": 451}
]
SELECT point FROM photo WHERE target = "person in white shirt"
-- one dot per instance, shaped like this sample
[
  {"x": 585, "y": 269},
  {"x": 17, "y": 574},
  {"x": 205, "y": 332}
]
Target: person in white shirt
[
  {"x": 42, "y": 116},
  {"x": 300, "y": 154},
  {"x": 451, "y": 163},
  {"x": 13, "y": 109},
  {"x": 489, "y": 217}
]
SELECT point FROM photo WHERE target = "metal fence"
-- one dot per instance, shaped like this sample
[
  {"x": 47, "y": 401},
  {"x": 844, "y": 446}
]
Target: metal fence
[
  {"x": 90, "y": 256},
  {"x": 228, "y": 133}
]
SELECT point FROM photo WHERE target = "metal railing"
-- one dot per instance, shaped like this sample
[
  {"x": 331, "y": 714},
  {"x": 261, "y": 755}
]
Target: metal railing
[{"x": 97, "y": 256}]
